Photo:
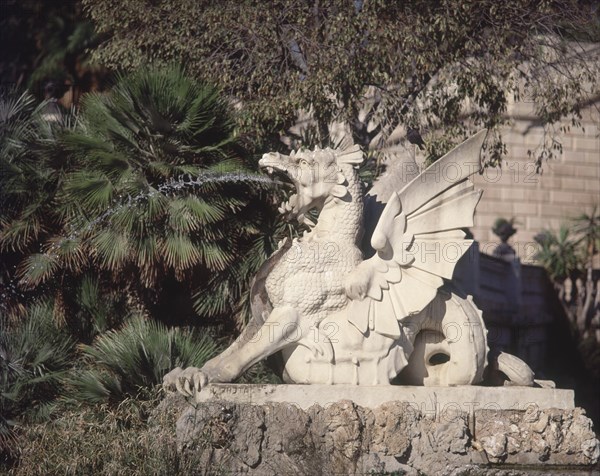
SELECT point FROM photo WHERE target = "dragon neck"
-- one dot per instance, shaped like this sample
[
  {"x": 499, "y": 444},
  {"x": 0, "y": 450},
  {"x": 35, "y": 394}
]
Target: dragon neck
[{"x": 341, "y": 218}]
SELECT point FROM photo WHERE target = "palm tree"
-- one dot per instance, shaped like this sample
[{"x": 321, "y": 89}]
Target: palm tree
[
  {"x": 558, "y": 254},
  {"x": 153, "y": 195},
  {"x": 30, "y": 173},
  {"x": 122, "y": 363},
  {"x": 35, "y": 356},
  {"x": 587, "y": 227}
]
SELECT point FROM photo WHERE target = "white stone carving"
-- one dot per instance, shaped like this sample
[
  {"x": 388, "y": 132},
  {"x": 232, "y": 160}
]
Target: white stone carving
[{"x": 333, "y": 317}]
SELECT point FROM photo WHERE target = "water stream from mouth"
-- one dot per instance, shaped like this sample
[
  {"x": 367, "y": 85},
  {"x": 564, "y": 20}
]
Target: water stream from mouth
[
  {"x": 173, "y": 185},
  {"x": 170, "y": 187}
]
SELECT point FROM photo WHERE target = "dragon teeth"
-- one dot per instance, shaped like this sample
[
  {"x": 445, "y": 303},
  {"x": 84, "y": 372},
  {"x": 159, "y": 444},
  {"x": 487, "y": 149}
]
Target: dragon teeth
[{"x": 309, "y": 222}]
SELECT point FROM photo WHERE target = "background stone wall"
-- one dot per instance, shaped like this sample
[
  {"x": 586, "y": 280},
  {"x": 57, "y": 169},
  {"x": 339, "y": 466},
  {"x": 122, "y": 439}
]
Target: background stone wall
[{"x": 567, "y": 186}]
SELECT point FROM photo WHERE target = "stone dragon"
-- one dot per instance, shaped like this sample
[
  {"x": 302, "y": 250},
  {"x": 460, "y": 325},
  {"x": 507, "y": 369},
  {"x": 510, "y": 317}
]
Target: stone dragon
[{"x": 330, "y": 316}]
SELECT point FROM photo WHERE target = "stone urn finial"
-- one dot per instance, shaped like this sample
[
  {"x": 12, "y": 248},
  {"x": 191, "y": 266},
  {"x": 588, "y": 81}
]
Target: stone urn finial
[{"x": 504, "y": 228}]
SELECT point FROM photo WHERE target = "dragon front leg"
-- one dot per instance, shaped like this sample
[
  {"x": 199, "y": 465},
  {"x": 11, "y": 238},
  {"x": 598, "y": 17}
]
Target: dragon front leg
[{"x": 280, "y": 329}]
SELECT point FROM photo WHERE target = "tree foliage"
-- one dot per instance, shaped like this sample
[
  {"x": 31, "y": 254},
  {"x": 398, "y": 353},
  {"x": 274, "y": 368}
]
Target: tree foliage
[
  {"x": 558, "y": 253},
  {"x": 448, "y": 64},
  {"x": 45, "y": 40},
  {"x": 571, "y": 249},
  {"x": 569, "y": 255},
  {"x": 29, "y": 178}
]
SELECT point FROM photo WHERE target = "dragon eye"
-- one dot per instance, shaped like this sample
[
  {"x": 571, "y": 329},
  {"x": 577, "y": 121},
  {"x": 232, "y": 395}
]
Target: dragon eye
[{"x": 304, "y": 162}]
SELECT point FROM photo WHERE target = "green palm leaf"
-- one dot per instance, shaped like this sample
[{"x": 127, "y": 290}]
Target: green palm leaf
[
  {"x": 93, "y": 191},
  {"x": 37, "y": 269},
  {"x": 148, "y": 192},
  {"x": 112, "y": 248},
  {"x": 180, "y": 252}
]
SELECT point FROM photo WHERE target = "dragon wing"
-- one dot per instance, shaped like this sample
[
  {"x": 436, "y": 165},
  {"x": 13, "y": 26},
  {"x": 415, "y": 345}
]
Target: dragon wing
[{"x": 418, "y": 241}]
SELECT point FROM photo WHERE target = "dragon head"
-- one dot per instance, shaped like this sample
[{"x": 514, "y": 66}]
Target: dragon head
[{"x": 317, "y": 176}]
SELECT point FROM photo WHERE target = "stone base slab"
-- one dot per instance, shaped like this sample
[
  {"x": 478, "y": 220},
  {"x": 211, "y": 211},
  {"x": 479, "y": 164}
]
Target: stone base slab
[{"x": 432, "y": 401}]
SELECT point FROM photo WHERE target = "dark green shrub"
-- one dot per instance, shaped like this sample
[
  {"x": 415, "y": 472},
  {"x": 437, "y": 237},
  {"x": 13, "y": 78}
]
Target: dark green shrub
[
  {"x": 35, "y": 355},
  {"x": 122, "y": 363}
]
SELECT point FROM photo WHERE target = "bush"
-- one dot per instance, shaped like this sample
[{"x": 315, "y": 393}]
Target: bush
[
  {"x": 122, "y": 363},
  {"x": 35, "y": 356}
]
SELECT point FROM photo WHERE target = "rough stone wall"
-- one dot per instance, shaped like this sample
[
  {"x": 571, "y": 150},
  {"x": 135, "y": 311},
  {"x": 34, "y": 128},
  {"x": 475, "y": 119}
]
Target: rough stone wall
[
  {"x": 394, "y": 438},
  {"x": 567, "y": 187}
]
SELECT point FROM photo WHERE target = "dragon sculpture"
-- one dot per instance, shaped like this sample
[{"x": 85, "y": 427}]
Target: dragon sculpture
[{"x": 331, "y": 316}]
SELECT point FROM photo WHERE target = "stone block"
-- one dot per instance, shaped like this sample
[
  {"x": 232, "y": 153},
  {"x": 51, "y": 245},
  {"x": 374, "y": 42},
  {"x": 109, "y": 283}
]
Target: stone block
[
  {"x": 561, "y": 169},
  {"x": 592, "y": 184},
  {"x": 554, "y": 210},
  {"x": 513, "y": 194},
  {"x": 561, "y": 196},
  {"x": 537, "y": 436},
  {"x": 537, "y": 223},
  {"x": 593, "y": 158},
  {"x": 587, "y": 143},
  {"x": 572, "y": 183},
  {"x": 490, "y": 193},
  {"x": 534, "y": 195},
  {"x": 576, "y": 157},
  {"x": 524, "y": 209},
  {"x": 585, "y": 171},
  {"x": 549, "y": 181},
  {"x": 517, "y": 151},
  {"x": 572, "y": 198}
]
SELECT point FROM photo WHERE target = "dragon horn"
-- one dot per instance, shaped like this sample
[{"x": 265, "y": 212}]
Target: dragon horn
[{"x": 351, "y": 155}]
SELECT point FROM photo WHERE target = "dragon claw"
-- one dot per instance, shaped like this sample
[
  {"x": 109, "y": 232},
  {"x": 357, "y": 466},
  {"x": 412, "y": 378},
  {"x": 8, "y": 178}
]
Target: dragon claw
[
  {"x": 188, "y": 382},
  {"x": 356, "y": 286},
  {"x": 321, "y": 348}
]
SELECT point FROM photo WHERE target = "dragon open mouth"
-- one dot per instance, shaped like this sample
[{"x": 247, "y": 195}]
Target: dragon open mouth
[{"x": 280, "y": 175}]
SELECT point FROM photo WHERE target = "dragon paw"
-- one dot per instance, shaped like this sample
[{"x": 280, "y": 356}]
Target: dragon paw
[
  {"x": 323, "y": 351},
  {"x": 320, "y": 347},
  {"x": 357, "y": 285},
  {"x": 189, "y": 382}
]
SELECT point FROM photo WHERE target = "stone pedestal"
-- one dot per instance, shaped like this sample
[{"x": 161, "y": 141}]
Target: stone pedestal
[
  {"x": 313, "y": 429},
  {"x": 433, "y": 401}
]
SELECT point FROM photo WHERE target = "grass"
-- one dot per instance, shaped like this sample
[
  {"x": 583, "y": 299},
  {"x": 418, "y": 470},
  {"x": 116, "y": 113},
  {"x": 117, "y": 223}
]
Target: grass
[{"x": 137, "y": 437}]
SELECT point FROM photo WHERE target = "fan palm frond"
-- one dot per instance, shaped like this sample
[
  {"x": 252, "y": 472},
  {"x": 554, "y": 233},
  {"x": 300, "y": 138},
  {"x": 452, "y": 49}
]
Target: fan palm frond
[
  {"x": 91, "y": 191},
  {"x": 112, "y": 248},
  {"x": 587, "y": 227},
  {"x": 138, "y": 355},
  {"x": 35, "y": 356},
  {"x": 37, "y": 268}
]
